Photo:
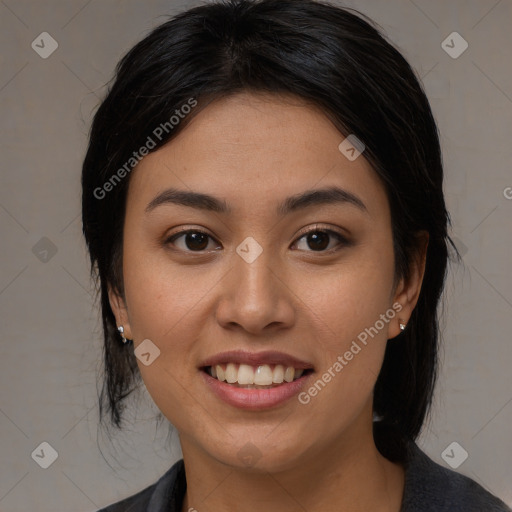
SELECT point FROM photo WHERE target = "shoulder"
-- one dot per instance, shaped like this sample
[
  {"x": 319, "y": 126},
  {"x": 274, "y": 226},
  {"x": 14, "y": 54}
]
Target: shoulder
[
  {"x": 137, "y": 502},
  {"x": 167, "y": 492},
  {"x": 430, "y": 487}
]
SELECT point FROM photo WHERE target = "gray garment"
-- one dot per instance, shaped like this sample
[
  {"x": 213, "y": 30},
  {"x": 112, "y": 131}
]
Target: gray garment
[{"x": 429, "y": 487}]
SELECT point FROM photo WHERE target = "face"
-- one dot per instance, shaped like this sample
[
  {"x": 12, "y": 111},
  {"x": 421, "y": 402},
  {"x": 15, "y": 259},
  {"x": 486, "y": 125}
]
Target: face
[{"x": 260, "y": 270}]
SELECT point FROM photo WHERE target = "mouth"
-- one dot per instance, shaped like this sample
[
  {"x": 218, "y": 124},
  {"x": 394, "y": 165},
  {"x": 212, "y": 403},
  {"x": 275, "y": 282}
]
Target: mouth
[
  {"x": 261, "y": 376},
  {"x": 255, "y": 381}
]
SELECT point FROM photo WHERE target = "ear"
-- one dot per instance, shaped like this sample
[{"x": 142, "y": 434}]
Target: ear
[
  {"x": 408, "y": 290},
  {"x": 118, "y": 306}
]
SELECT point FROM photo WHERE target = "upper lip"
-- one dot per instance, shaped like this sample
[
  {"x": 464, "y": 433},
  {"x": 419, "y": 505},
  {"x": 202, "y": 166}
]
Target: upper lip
[{"x": 256, "y": 358}]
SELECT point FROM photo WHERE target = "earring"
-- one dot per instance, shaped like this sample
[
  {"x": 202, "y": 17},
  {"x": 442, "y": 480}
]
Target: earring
[
  {"x": 402, "y": 326},
  {"x": 121, "y": 332}
]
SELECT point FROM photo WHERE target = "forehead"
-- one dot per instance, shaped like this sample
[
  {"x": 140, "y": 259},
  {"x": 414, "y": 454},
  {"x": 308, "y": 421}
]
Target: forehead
[{"x": 256, "y": 149}]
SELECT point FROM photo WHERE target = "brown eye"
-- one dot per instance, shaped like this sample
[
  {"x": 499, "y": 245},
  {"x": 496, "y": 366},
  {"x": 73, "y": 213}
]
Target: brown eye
[
  {"x": 318, "y": 240},
  {"x": 193, "y": 240}
]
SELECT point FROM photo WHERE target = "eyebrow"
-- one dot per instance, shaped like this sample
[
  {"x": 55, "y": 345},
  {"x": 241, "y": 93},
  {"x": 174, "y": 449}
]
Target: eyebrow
[{"x": 201, "y": 201}]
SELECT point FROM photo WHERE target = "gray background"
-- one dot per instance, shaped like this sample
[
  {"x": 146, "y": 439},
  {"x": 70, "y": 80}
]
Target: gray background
[{"x": 49, "y": 325}]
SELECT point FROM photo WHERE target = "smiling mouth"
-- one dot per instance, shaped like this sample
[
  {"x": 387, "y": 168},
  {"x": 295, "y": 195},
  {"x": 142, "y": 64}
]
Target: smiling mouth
[{"x": 263, "y": 376}]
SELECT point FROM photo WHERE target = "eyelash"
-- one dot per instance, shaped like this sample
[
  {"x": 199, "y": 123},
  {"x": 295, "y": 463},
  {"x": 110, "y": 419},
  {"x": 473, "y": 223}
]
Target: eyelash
[{"x": 343, "y": 242}]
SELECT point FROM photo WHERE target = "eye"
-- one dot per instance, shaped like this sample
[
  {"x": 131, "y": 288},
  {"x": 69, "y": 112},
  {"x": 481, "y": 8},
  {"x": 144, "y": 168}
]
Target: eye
[
  {"x": 318, "y": 240},
  {"x": 194, "y": 240}
]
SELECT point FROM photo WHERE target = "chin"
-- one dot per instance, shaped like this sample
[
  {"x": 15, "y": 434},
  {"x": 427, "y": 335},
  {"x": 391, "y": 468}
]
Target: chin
[{"x": 257, "y": 455}]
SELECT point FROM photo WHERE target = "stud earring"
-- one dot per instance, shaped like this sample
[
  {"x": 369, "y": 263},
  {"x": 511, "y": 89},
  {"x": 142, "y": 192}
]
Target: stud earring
[
  {"x": 402, "y": 326},
  {"x": 121, "y": 332}
]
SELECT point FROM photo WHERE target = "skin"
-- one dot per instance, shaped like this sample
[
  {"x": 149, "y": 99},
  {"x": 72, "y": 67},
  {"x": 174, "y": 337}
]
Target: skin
[{"x": 253, "y": 151}]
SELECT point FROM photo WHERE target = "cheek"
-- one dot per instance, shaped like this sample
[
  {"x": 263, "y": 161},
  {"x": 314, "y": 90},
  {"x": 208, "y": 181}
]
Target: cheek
[
  {"x": 346, "y": 308},
  {"x": 348, "y": 300},
  {"x": 161, "y": 294},
  {"x": 167, "y": 305},
  {"x": 351, "y": 353},
  {"x": 165, "y": 309}
]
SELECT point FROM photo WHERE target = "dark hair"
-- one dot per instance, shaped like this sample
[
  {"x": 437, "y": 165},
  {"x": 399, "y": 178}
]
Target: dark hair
[{"x": 330, "y": 57}]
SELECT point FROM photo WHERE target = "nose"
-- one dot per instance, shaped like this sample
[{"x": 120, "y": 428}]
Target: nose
[{"x": 256, "y": 297}]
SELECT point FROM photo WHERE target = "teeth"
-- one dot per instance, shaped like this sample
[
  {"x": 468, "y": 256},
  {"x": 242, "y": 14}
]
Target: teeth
[
  {"x": 278, "y": 375},
  {"x": 245, "y": 374},
  {"x": 262, "y": 375},
  {"x": 289, "y": 373},
  {"x": 231, "y": 373}
]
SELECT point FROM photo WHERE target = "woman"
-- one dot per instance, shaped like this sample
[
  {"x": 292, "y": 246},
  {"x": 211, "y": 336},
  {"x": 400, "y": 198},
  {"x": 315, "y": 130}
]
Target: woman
[{"x": 263, "y": 207}]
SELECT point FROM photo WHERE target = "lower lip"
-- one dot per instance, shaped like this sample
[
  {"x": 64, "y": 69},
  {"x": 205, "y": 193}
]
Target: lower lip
[{"x": 254, "y": 399}]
